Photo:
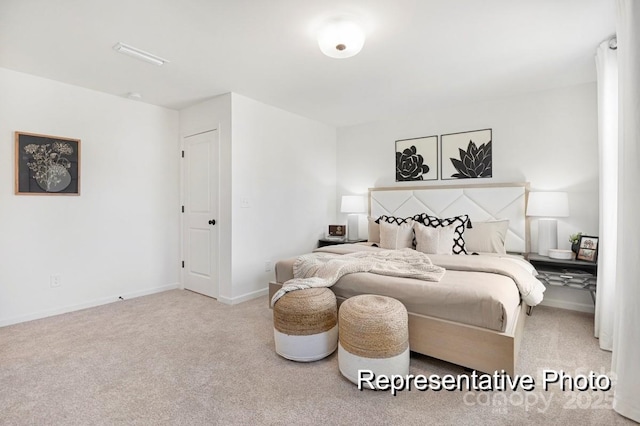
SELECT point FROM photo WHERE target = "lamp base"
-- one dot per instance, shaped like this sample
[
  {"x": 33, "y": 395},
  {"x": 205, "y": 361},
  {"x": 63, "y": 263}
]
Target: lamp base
[
  {"x": 352, "y": 227},
  {"x": 547, "y": 236}
]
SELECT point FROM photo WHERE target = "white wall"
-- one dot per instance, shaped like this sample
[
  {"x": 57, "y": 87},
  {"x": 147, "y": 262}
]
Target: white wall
[
  {"x": 548, "y": 139},
  {"x": 120, "y": 236},
  {"x": 284, "y": 165}
]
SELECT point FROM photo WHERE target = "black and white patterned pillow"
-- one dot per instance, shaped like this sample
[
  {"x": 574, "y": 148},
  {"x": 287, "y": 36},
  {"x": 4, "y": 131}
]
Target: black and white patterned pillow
[
  {"x": 398, "y": 220},
  {"x": 458, "y": 236}
]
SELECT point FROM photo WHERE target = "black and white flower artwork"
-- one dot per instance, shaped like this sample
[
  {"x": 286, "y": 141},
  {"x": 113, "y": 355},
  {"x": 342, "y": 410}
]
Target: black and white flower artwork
[
  {"x": 47, "y": 165},
  {"x": 417, "y": 159},
  {"x": 467, "y": 155}
]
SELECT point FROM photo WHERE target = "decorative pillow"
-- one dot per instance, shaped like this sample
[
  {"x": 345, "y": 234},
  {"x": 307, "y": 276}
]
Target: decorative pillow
[
  {"x": 487, "y": 237},
  {"x": 394, "y": 236},
  {"x": 374, "y": 225},
  {"x": 461, "y": 223},
  {"x": 374, "y": 230},
  {"x": 431, "y": 240},
  {"x": 398, "y": 220}
]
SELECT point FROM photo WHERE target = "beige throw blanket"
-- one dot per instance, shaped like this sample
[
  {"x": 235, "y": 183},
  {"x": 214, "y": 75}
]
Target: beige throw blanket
[{"x": 325, "y": 269}]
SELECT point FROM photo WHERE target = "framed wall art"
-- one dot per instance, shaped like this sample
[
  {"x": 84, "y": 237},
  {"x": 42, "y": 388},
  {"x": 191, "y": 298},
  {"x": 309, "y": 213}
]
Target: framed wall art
[
  {"x": 466, "y": 155},
  {"x": 417, "y": 159},
  {"x": 337, "y": 230},
  {"x": 588, "y": 249},
  {"x": 46, "y": 165}
]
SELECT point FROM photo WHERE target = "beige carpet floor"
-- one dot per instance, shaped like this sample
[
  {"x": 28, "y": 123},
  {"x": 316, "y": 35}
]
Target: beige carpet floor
[{"x": 181, "y": 358}]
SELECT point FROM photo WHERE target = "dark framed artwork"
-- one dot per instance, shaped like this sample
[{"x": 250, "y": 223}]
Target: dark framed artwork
[
  {"x": 417, "y": 159},
  {"x": 466, "y": 155},
  {"x": 337, "y": 230},
  {"x": 588, "y": 249},
  {"x": 47, "y": 165}
]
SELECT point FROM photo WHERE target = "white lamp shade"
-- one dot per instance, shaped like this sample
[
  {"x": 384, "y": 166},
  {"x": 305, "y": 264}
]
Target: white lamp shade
[
  {"x": 352, "y": 204},
  {"x": 548, "y": 204},
  {"x": 340, "y": 38}
]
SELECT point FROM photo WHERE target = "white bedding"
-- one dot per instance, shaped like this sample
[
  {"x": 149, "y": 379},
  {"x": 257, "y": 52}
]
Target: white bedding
[
  {"x": 483, "y": 299},
  {"x": 325, "y": 269},
  {"x": 515, "y": 267}
]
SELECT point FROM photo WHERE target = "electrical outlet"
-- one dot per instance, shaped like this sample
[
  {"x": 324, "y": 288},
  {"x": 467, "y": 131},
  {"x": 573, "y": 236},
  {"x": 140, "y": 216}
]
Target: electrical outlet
[
  {"x": 267, "y": 266},
  {"x": 245, "y": 203},
  {"x": 55, "y": 280}
]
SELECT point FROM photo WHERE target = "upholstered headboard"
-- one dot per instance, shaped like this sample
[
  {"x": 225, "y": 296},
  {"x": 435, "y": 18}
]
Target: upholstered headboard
[{"x": 480, "y": 202}]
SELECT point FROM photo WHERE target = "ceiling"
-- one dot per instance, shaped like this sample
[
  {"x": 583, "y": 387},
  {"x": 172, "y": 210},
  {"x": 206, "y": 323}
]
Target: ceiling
[{"x": 418, "y": 54}]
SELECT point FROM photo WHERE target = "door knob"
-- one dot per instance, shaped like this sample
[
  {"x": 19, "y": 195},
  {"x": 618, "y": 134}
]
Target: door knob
[{"x": 212, "y": 222}]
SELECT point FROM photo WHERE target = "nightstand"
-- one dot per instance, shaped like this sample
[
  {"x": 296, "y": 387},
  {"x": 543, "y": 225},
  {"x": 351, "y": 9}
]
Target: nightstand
[
  {"x": 322, "y": 242},
  {"x": 576, "y": 274}
]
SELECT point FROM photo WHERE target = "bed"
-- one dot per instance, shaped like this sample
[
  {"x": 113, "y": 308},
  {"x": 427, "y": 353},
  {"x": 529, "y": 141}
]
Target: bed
[{"x": 473, "y": 317}]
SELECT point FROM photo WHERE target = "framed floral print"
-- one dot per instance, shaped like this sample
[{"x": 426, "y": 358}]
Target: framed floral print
[
  {"x": 466, "y": 155},
  {"x": 46, "y": 165},
  {"x": 417, "y": 159},
  {"x": 588, "y": 249}
]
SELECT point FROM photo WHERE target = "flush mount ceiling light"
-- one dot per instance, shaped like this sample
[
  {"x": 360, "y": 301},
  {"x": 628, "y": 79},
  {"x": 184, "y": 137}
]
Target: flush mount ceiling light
[
  {"x": 340, "y": 38},
  {"x": 139, "y": 54}
]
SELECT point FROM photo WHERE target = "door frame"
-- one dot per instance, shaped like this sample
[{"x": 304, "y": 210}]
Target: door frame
[{"x": 183, "y": 181}]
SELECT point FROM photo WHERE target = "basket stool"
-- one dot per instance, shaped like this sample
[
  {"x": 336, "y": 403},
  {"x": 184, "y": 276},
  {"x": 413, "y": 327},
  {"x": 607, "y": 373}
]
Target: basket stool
[
  {"x": 373, "y": 335},
  {"x": 305, "y": 324}
]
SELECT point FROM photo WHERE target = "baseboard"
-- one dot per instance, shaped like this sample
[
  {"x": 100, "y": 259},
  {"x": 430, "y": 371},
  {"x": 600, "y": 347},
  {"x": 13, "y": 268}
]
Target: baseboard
[
  {"x": 572, "y": 306},
  {"x": 85, "y": 305},
  {"x": 244, "y": 297}
]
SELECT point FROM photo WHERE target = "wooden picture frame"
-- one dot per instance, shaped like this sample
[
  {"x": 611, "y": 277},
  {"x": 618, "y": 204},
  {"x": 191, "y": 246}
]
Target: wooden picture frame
[
  {"x": 46, "y": 165},
  {"x": 417, "y": 159},
  {"x": 588, "y": 249}
]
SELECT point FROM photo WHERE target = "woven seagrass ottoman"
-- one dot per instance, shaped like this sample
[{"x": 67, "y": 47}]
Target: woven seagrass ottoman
[
  {"x": 305, "y": 324},
  {"x": 373, "y": 335}
]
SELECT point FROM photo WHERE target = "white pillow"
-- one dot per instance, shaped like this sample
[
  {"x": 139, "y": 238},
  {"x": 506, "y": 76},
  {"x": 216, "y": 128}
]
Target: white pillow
[
  {"x": 458, "y": 239},
  {"x": 487, "y": 237},
  {"x": 394, "y": 236},
  {"x": 374, "y": 230},
  {"x": 431, "y": 240}
]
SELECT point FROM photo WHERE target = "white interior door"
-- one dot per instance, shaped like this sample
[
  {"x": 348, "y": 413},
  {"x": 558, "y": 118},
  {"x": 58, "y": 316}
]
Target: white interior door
[{"x": 200, "y": 232}]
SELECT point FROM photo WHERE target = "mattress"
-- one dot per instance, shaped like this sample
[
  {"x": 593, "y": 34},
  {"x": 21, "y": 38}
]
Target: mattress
[{"x": 482, "y": 299}]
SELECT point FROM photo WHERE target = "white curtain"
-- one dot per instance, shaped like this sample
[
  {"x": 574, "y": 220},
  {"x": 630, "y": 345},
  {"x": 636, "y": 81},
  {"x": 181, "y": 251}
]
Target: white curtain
[
  {"x": 607, "y": 68},
  {"x": 626, "y": 330}
]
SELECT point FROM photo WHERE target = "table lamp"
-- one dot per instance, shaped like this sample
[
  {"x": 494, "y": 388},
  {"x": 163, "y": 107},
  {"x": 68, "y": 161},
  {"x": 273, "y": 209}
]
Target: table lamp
[
  {"x": 352, "y": 204},
  {"x": 547, "y": 206}
]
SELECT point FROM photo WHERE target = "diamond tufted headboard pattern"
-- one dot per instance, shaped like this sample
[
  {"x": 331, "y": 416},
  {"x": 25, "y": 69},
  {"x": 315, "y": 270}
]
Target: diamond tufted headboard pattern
[{"x": 480, "y": 202}]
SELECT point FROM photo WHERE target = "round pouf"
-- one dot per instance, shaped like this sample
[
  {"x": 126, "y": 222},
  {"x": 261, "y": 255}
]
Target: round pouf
[
  {"x": 373, "y": 335},
  {"x": 305, "y": 324}
]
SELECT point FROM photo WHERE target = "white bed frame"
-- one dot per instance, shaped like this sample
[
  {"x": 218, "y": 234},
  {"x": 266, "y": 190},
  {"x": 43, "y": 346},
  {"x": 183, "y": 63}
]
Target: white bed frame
[{"x": 469, "y": 346}]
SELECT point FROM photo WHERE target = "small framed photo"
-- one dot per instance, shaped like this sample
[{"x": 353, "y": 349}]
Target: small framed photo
[
  {"x": 337, "y": 230},
  {"x": 588, "y": 249}
]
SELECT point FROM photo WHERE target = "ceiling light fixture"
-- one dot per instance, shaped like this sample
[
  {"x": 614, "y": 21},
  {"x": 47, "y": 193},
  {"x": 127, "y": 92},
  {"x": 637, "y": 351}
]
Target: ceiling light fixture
[
  {"x": 139, "y": 54},
  {"x": 341, "y": 38}
]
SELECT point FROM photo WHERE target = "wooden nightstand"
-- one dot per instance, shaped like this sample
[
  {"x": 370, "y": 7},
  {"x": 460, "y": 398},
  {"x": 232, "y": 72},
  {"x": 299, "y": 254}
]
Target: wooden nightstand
[
  {"x": 322, "y": 242},
  {"x": 576, "y": 274}
]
